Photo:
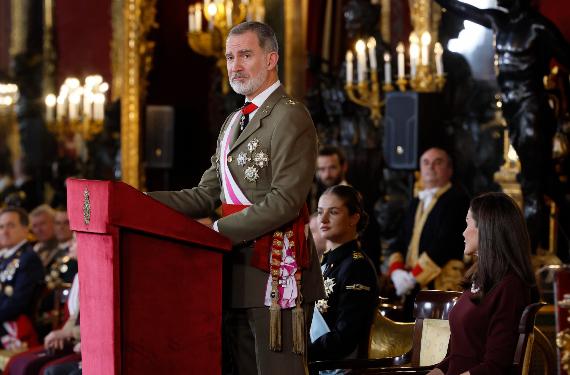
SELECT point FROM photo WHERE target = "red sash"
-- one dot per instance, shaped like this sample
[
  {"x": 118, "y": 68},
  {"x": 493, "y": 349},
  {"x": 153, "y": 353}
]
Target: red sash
[{"x": 263, "y": 245}]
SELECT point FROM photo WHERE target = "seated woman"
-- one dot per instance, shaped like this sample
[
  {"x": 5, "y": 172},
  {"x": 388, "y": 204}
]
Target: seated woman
[
  {"x": 342, "y": 321},
  {"x": 498, "y": 287}
]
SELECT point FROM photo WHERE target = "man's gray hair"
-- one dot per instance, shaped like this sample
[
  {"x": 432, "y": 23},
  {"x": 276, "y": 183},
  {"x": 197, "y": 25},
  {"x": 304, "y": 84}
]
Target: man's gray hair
[
  {"x": 43, "y": 209},
  {"x": 265, "y": 34}
]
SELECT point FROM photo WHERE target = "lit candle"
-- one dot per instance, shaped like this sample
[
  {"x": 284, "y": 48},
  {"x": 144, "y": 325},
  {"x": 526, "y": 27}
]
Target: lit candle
[
  {"x": 229, "y": 10},
  {"x": 198, "y": 17},
  {"x": 360, "y": 59},
  {"x": 438, "y": 53},
  {"x": 414, "y": 56},
  {"x": 387, "y": 69},
  {"x": 414, "y": 53},
  {"x": 401, "y": 60},
  {"x": 191, "y": 19},
  {"x": 50, "y": 107},
  {"x": 60, "y": 108},
  {"x": 212, "y": 10},
  {"x": 349, "y": 67},
  {"x": 88, "y": 105},
  {"x": 426, "y": 40},
  {"x": 99, "y": 107},
  {"x": 74, "y": 107},
  {"x": 371, "y": 44}
]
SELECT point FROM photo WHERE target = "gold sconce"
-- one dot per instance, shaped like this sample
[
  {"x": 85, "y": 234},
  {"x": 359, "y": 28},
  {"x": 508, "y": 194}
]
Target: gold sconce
[
  {"x": 77, "y": 109},
  {"x": 425, "y": 63},
  {"x": 366, "y": 92},
  {"x": 506, "y": 176},
  {"x": 220, "y": 16}
]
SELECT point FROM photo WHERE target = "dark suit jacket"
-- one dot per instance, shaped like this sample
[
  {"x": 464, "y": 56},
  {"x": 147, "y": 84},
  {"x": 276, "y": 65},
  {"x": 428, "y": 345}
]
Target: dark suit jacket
[
  {"x": 282, "y": 128},
  {"x": 442, "y": 235},
  {"x": 19, "y": 289}
]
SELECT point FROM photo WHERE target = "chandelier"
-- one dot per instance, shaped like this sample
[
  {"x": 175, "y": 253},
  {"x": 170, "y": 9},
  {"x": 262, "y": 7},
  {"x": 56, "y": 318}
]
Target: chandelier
[
  {"x": 218, "y": 17},
  {"x": 424, "y": 56},
  {"x": 77, "y": 109}
]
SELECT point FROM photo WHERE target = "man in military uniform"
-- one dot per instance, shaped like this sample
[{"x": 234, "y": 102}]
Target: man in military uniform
[
  {"x": 429, "y": 247},
  {"x": 42, "y": 223},
  {"x": 21, "y": 271},
  {"x": 261, "y": 173}
]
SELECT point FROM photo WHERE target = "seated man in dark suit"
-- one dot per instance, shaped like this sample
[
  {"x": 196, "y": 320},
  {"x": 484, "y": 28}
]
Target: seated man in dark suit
[
  {"x": 21, "y": 274},
  {"x": 428, "y": 251}
]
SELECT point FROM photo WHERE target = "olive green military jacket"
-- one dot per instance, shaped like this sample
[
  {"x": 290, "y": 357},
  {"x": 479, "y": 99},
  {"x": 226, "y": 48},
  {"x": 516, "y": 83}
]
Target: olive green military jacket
[{"x": 282, "y": 130}]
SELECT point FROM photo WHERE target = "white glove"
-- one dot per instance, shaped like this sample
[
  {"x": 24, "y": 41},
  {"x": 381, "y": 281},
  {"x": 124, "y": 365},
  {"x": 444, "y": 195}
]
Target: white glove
[{"x": 403, "y": 281}]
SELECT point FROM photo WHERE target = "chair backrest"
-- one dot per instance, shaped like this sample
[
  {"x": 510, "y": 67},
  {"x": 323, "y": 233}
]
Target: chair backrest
[
  {"x": 431, "y": 329},
  {"x": 523, "y": 352},
  {"x": 387, "y": 337}
]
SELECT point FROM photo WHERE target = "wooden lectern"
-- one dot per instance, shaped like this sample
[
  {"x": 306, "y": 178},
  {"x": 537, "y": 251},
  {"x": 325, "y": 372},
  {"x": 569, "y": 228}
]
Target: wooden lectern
[{"x": 150, "y": 283}]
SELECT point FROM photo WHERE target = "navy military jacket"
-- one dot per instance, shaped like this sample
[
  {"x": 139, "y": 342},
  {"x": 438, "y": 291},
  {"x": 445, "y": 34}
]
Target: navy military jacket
[
  {"x": 351, "y": 285},
  {"x": 20, "y": 277}
]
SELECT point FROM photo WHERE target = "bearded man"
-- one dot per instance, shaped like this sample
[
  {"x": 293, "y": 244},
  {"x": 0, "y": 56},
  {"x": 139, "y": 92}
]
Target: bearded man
[{"x": 261, "y": 173}]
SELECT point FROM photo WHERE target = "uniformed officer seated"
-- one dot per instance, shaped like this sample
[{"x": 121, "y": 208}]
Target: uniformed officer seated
[
  {"x": 341, "y": 322},
  {"x": 21, "y": 276}
]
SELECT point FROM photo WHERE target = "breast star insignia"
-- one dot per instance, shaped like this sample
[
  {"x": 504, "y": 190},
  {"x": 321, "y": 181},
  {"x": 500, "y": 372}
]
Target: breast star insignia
[
  {"x": 329, "y": 284},
  {"x": 322, "y": 305}
]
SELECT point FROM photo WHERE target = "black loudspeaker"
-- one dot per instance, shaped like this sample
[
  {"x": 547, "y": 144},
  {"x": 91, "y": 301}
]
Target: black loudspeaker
[
  {"x": 412, "y": 124},
  {"x": 159, "y": 136}
]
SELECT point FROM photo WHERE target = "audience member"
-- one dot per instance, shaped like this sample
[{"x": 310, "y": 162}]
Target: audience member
[
  {"x": 21, "y": 275},
  {"x": 331, "y": 171},
  {"x": 498, "y": 286},
  {"x": 341, "y": 321},
  {"x": 58, "y": 343},
  {"x": 428, "y": 248},
  {"x": 42, "y": 222},
  {"x": 332, "y": 166}
]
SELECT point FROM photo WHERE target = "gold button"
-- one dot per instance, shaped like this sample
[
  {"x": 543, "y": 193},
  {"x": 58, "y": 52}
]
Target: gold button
[{"x": 230, "y": 158}]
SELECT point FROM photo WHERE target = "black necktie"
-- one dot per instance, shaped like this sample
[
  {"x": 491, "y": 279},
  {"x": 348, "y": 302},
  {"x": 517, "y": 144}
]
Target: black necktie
[{"x": 245, "y": 111}]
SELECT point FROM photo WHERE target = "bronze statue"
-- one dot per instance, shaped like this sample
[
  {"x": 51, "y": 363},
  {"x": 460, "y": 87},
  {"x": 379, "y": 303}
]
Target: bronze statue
[{"x": 525, "y": 43}]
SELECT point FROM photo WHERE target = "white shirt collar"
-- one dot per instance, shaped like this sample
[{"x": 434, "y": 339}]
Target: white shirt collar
[
  {"x": 7, "y": 253},
  {"x": 262, "y": 97}
]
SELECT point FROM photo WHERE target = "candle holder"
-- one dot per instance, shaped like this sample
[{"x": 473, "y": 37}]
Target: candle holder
[
  {"x": 367, "y": 94},
  {"x": 426, "y": 81},
  {"x": 220, "y": 17},
  {"x": 77, "y": 110},
  {"x": 402, "y": 83}
]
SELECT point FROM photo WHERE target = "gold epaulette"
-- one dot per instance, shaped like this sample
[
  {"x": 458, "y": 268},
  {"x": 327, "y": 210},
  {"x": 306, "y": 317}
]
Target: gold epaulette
[{"x": 357, "y": 255}]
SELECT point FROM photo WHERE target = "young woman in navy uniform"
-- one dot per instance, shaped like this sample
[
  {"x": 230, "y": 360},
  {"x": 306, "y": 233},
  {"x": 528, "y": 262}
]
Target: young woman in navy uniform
[{"x": 342, "y": 320}]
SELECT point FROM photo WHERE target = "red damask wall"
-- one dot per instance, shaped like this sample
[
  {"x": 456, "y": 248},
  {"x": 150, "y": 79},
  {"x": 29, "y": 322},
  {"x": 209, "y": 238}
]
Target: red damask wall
[{"x": 83, "y": 38}]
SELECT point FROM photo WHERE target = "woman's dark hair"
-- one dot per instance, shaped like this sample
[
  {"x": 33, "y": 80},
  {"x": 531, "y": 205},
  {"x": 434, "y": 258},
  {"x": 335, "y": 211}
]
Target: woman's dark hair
[
  {"x": 353, "y": 202},
  {"x": 504, "y": 244}
]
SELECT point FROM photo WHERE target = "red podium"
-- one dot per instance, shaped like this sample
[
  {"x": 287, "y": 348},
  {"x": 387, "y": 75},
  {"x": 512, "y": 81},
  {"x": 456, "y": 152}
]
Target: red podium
[{"x": 150, "y": 283}]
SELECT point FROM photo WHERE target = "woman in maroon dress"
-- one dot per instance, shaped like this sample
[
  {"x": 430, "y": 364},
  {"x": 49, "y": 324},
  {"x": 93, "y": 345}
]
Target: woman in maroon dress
[{"x": 498, "y": 287}]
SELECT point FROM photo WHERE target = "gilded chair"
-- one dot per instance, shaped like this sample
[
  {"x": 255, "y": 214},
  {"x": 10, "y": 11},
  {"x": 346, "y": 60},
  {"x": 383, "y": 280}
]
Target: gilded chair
[
  {"x": 396, "y": 344},
  {"x": 529, "y": 335}
]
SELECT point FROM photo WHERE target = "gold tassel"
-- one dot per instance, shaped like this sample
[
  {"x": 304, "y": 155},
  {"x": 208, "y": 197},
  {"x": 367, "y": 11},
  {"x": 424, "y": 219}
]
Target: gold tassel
[
  {"x": 275, "y": 327},
  {"x": 298, "y": 330}
]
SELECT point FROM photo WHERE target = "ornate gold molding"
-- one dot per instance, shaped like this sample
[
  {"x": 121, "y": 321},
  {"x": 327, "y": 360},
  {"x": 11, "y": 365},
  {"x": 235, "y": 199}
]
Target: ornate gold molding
[
  {"x": 296, "y": 12},
  {"x": 385, "y": 21},
  {"x": 139, "y": 19}
]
